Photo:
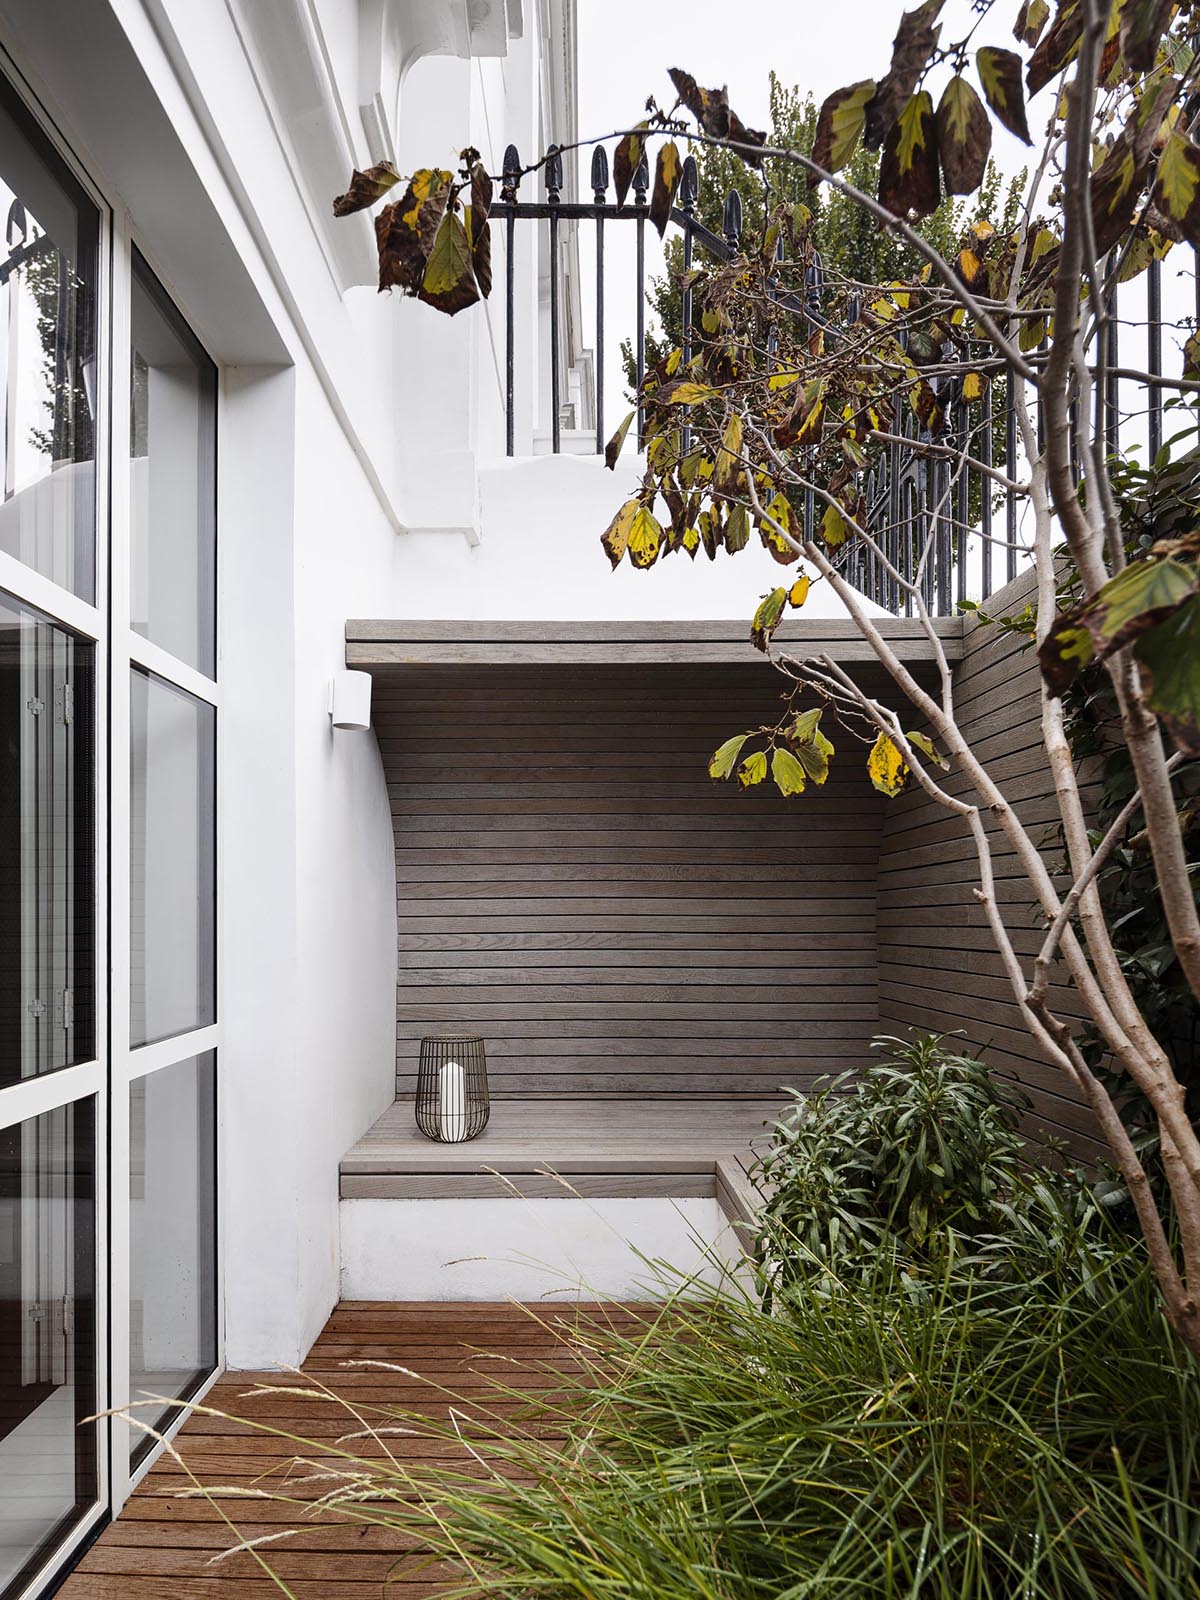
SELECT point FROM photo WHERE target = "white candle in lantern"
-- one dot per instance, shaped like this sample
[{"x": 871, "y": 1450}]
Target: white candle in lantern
[{"x": 452, "y": 1103}]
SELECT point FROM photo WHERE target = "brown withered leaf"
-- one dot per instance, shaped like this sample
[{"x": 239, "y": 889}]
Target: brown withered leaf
[
  {"x": 1117, "y": 183},
  {"x": 915, "y": 41},
  {"x": 1000, "y": 75},
  {"x": 626, "y": 159},
  {"x": 909, "y": 183},
  {"x": 840, "y": 125},
  {"x": 365, "y": 188},
  {"x": 479, "y": 229},
  {"x": 710, "y": 107},
  {"x": 1058, "y": 47},
  {"x": 1142, "y": 25},
  {"x": 667, "y": 171},
  {"x": 964, "y": 137},
  {"x": 925, "y": 405},
  {"x": 1031, "y": 19},
  {"x": 405, "y": 230},
  {"x": 712, "y": 111}
]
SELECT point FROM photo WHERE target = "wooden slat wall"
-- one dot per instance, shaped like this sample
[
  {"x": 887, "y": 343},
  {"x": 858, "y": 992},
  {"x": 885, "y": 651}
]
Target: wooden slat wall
[
  {"x": 937, "y": 965},
  {"x": 573, "y": 887}
]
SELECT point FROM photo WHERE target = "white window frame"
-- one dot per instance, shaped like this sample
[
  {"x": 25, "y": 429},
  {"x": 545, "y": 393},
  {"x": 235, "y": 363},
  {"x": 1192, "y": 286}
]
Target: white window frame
[{"x": 108, "y": 1076}]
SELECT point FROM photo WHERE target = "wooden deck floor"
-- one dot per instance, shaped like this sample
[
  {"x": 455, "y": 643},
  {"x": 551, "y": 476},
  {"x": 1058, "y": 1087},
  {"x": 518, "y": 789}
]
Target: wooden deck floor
[{"x": 161, "y": 1547}]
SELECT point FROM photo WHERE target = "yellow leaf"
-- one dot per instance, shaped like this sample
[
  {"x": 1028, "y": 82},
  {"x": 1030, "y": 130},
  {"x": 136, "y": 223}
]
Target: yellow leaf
[
  {"x": 724, "y": 757},
  {"x": 727, "y": 474},
  {"x": 833, "y": 528},
  {"x": 782, "y": 380},
  {"x": 798, "y": 593},
  {"x": 615, "y": 539},
  {"x": 787, "y": 772},
  {"x": 886, "y": 766},
  {"x": 645, "y": 538},
  {"x": 753, "y": 770},
  {"x": 688, "y": 394},
  {"x": 673, "y": 361},
  {"x": 974, "y": 385}
]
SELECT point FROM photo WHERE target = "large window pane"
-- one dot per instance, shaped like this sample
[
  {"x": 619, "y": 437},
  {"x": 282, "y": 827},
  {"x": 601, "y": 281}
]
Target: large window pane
[
  {"x": 47, "y": 851},
  {"x": 172, "y": 866},
  {"x": 172, "y": 1236},
  {"x": 47, "y": 357},
  {"x": 173, "y": 446},
  {"x": 47, "y": 1335}
]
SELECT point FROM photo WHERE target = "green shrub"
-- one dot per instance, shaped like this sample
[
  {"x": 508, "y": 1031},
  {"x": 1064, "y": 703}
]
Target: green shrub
[{"x": 913, "y": 1150}]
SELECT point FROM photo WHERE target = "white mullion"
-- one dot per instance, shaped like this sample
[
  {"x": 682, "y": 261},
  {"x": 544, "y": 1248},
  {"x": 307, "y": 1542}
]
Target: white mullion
[
  {"x": 33, "y": 1097},
  {"x": 103, "y": 444},
  {"x": 164, "y": 665},
  {"x": 28, "y": 586},
  {"x": 148, "y": 1058},
  {"x": 118, "y": 877}
]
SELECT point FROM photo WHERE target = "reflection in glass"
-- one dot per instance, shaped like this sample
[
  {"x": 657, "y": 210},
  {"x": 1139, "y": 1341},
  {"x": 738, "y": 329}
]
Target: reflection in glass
[
  {"x": 172, "y": 1235},
  {"x": 47, "y": 357},
  {"x": 47, "y": 1011},
  {"x": 172, "y": 919},
  {"x": 173, "y": 479},
  {"x": 47, "y": 1335}
]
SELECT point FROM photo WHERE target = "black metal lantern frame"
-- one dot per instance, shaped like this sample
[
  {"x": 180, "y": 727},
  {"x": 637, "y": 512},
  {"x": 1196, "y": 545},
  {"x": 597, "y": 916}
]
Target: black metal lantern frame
[{"x": 452, "y": 1089}]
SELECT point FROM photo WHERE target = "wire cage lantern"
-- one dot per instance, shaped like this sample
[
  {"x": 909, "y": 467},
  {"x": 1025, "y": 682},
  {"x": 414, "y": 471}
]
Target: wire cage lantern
[{"x": 452, "y": 1088}]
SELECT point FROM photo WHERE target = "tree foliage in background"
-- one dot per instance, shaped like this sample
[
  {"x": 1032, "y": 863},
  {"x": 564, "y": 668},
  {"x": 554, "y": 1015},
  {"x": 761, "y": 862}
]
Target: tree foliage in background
[{"x": 851, "y": 242}]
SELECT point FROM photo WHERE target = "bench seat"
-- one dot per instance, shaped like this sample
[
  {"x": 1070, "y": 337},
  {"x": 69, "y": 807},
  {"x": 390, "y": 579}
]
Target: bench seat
[{"x": 595, "y": 1148}]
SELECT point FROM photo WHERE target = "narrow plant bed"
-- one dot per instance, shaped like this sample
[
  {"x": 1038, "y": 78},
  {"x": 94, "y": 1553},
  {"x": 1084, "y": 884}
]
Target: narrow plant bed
[{"x": 951, "y": 1378}]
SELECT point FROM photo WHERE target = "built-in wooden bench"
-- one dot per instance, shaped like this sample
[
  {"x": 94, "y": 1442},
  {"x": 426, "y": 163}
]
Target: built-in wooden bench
[{"x": 637, "y": 1149}]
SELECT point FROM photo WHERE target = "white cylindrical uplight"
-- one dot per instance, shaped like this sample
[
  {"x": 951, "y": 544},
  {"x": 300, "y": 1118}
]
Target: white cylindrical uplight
[
  {"x": 350, "y": 701},
  {"x": 452, "y": 1103}
]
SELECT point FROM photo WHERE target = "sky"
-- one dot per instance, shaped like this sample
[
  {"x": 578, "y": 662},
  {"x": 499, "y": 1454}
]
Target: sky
[{"x": 626, "y": 46}]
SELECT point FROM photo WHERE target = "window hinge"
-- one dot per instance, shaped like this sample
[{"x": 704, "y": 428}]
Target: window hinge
[
  {"x": 68, "y": 704},
  {"x": 68, "y": 1008},
  {"x": 36, "y": 706}
]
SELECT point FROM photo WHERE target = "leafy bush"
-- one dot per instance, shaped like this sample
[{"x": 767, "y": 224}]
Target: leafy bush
[{"x": 916, "y": 1148}]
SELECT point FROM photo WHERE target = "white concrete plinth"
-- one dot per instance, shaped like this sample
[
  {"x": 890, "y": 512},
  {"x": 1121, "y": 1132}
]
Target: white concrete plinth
[{"x": 530, "y": 1249}]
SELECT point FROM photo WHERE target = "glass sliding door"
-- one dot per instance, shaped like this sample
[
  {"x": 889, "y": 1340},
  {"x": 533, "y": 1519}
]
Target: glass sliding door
[
  {"x": 48, "y": 357},
  {"x": 168, "y": 1061},
  {"x": 47, "y": 846},
  {"x": 172, "y": 1237},
  {"x": 172, "y": 801},
  {"x": 48, "y": 1457},
  {"x": 109, "y": 708},
  {"x": 53, "y": 1087},
  {"x": 173, "y": 388}
]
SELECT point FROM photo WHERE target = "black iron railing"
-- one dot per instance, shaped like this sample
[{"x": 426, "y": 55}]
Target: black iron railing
[{"x": 956, "y": 526}]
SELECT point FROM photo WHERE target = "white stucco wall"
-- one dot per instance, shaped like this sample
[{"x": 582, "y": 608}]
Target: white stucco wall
[{"x": 519, "y": 1249}]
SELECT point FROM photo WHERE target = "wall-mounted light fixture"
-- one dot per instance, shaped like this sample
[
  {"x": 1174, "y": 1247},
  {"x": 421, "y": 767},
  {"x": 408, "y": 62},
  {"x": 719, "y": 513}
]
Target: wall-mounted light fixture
[{"x": 350, "y": 700}]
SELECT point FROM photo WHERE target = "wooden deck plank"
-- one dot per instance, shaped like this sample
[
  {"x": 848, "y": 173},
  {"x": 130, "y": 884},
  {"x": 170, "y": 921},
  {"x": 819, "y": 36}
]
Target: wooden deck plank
[{"x": 162, "y": 1547}]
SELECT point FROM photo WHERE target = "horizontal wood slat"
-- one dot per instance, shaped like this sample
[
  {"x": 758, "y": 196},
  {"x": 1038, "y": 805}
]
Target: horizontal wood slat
[
  {"x": 938, "y": 968},
  {"x": 573, "y": 886}
]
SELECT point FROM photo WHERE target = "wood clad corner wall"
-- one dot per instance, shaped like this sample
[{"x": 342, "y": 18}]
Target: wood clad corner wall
[
  {"x": 937, "y": 966},
  {"x": 572, "y": 886}
]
